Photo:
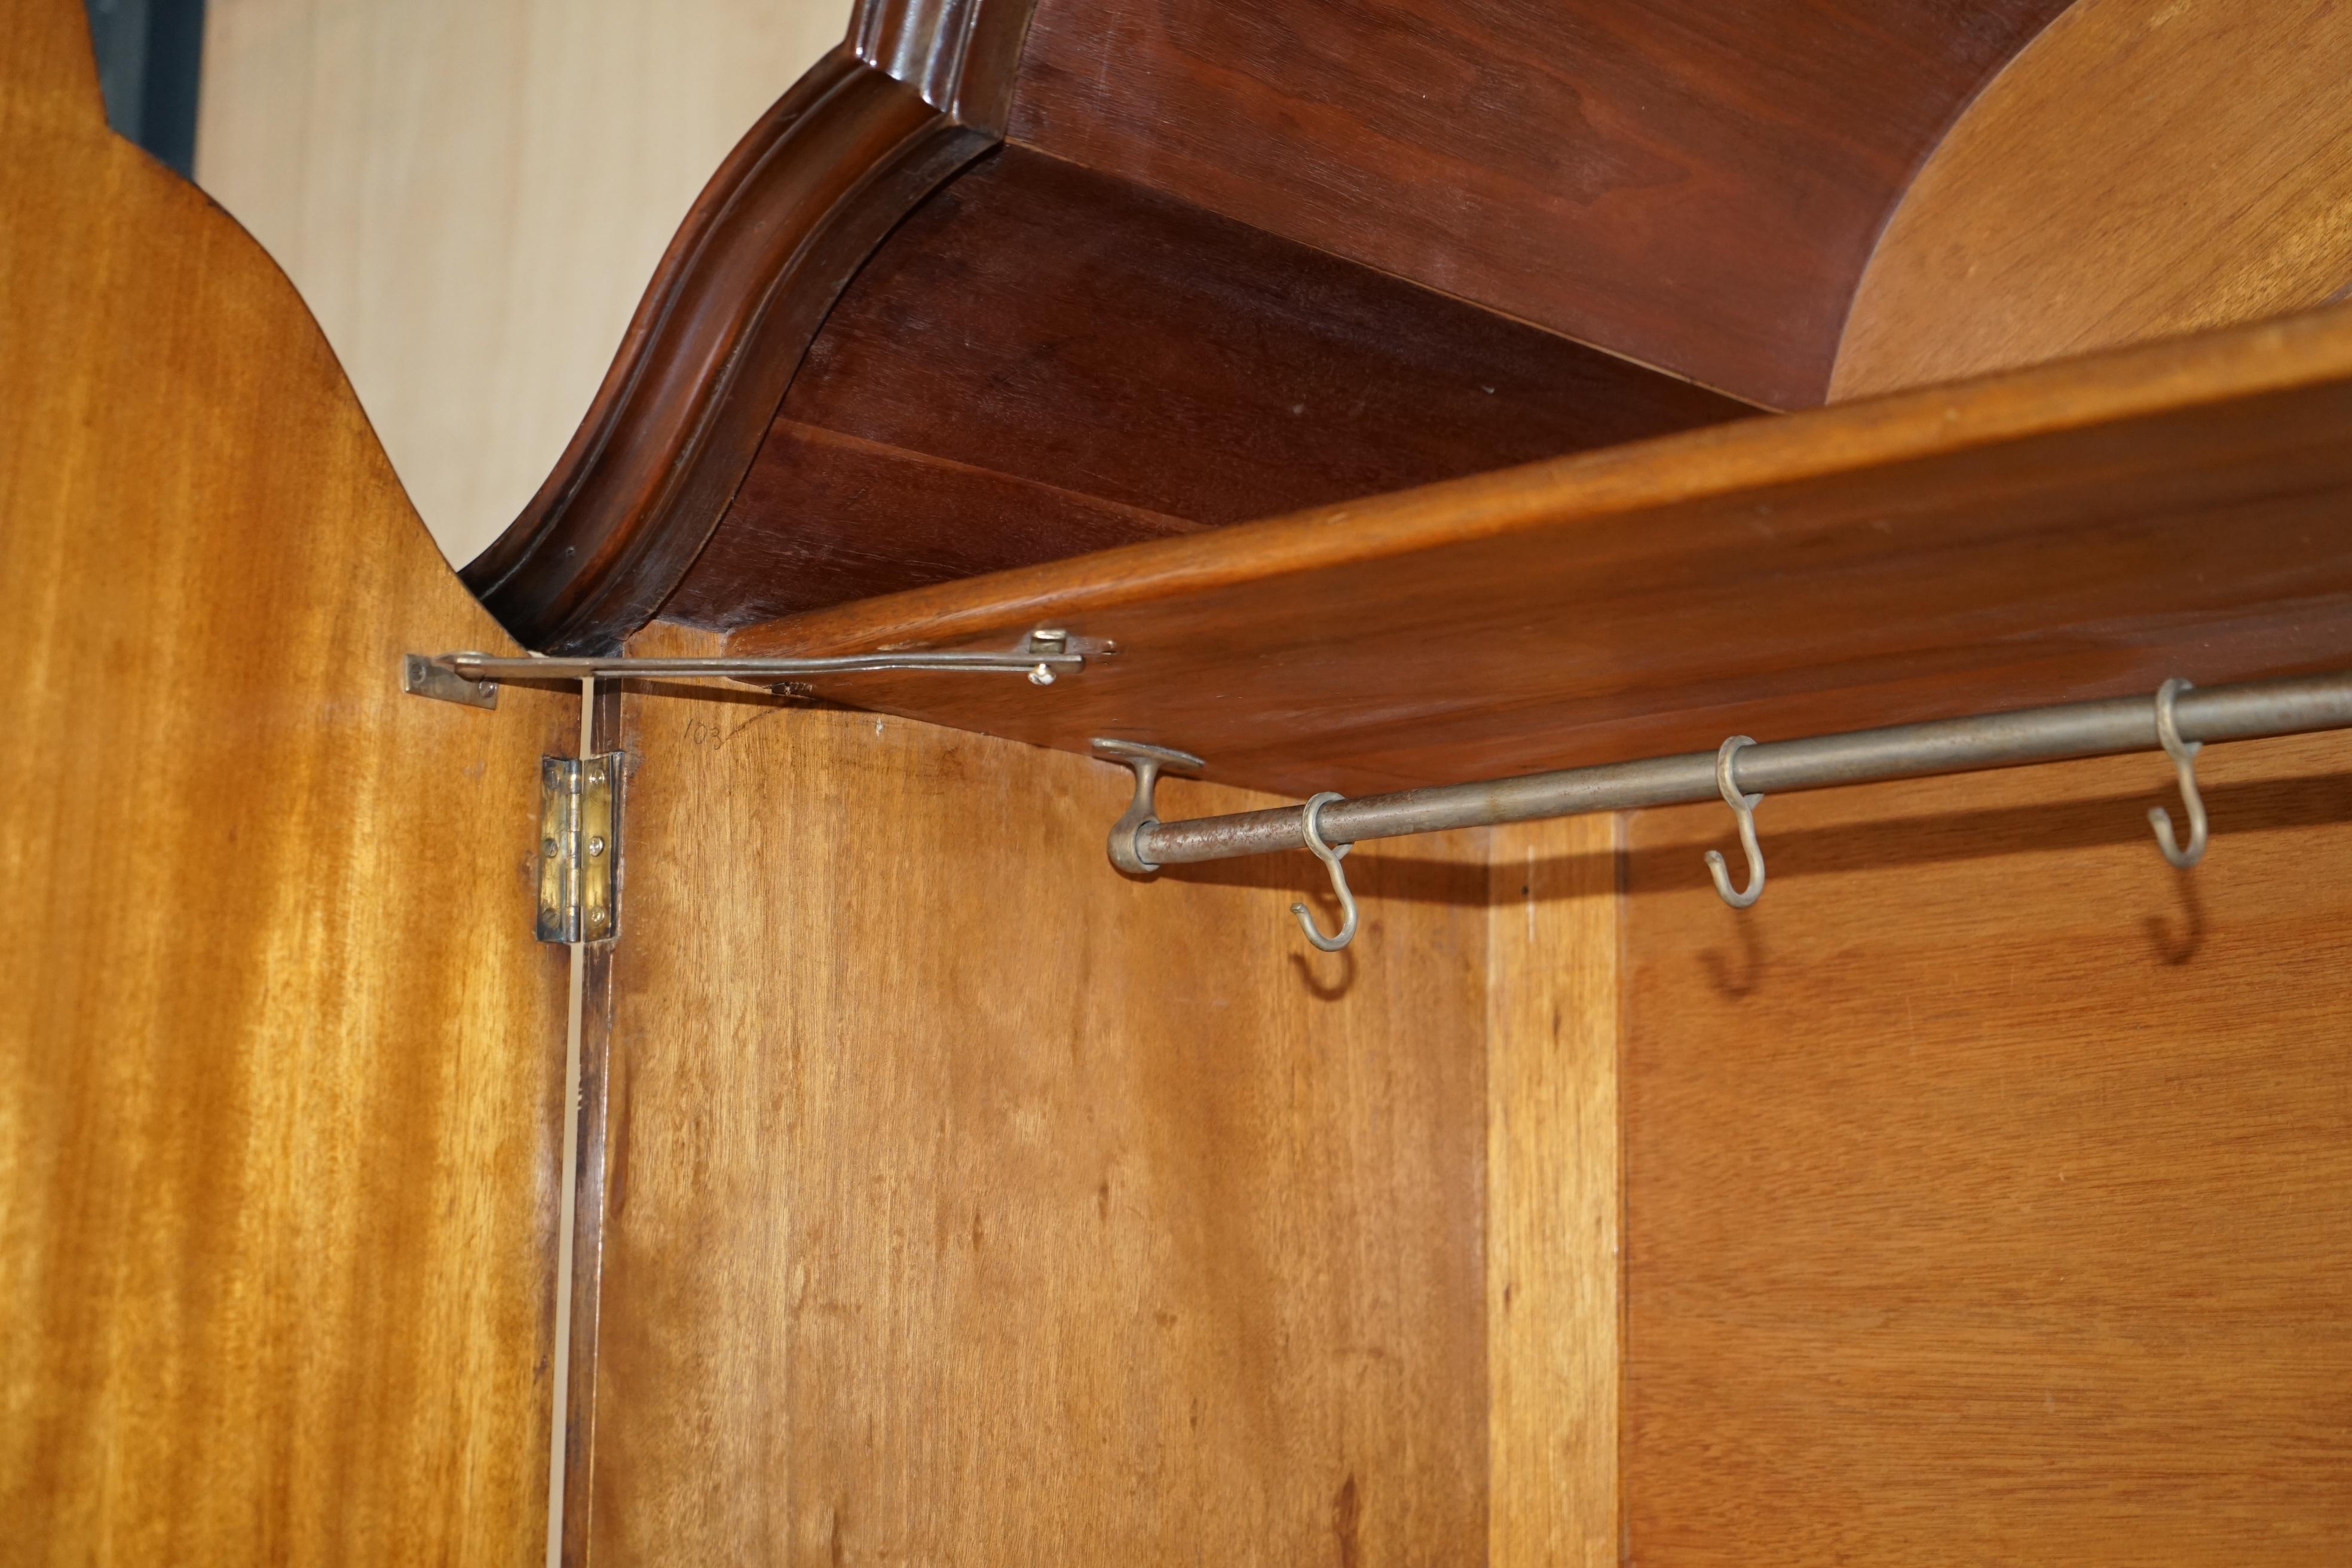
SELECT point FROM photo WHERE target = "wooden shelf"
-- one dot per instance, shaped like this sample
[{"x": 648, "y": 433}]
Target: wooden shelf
[{"x": 2078, "y": 529}]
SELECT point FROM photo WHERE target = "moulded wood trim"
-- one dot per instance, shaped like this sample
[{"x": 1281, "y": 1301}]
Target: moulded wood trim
[
  {"x": 921, "y": 88},
  {"x": 960, "y": 55}
]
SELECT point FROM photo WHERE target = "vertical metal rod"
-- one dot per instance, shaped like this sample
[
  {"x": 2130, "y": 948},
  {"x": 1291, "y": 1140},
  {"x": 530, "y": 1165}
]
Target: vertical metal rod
[{"x": 568, "y": 1200}]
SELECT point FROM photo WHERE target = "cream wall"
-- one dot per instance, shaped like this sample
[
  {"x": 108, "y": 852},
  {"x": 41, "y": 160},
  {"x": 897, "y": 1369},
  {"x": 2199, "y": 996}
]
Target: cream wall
[{"x": 472, "y": 193}]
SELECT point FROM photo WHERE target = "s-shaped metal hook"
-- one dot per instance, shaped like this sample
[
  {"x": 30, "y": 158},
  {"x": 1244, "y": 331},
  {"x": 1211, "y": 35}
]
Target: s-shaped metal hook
[
  {"x": 1744, "y": 806},
  {"x": 1311, "y": 824},
  {"x": 2184, "y": 762}
]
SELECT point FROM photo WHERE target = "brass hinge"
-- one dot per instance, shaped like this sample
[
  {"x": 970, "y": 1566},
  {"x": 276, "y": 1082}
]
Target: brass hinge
[{"x": 579, "y": 845}]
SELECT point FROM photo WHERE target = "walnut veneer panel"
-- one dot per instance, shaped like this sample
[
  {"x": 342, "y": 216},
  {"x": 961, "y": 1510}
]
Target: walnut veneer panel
[
  {"x": 279, "y": 1058},
  {"x": 824, "y": 519},
  {"x": 2138, "y": 171},
  {"x": 1988, "y": 1185},
  {"x": 1043, "y": 361},
  {"x": 2067, "y": 531},
  {"x": 1696, "y": 183},
  {"x": 967, "y": 1202}
]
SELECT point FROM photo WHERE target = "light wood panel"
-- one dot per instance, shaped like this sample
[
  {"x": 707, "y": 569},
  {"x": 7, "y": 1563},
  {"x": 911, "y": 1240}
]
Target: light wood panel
[
  {"x": 2138, "y": 171},
  {"x": 1553, "y": 1197},
  {"x": 471, "y": 195},
  {"x": 277, "y": 1056},
  {"x": 967, "y": 1202},
  {"x": 1990, "y": 1184},
  {"x": 2067, "y": 531}
]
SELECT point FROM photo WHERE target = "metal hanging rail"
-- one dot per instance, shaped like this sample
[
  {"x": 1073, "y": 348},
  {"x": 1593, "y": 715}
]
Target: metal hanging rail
[{"x": 2177, "y": 720}]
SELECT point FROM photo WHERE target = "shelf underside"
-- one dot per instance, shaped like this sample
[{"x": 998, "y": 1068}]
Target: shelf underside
[{"x": 2078, "y": 529}]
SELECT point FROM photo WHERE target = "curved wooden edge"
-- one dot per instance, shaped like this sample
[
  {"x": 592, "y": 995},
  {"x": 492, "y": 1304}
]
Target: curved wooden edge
[
  {"x": 1748, "y": 456},
  {"x": 921, "y": 88},
  {"x": 2137, "y": 171},
  {"x": 283, "y": 1102}
]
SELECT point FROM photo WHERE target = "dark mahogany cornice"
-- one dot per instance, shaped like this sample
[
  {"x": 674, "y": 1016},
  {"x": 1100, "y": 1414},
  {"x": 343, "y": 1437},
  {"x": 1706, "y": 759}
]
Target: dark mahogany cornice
[{"x": 921, "y": 88}]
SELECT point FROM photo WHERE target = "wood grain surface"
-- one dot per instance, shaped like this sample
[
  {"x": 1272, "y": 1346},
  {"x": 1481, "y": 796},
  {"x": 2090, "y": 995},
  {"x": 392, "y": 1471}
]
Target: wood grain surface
[
  {"x": 1693, "y": 184},
  {"x": 2138, "y": 171},
  {"x": 2067, "y": 531},
  {"x": 824, "y": 519},
  {"x": 279, "y": 1058},
  {"x": 1989, "y": 1184},
  {"x": 1043, "y": 361},
  {"x": 1553, "y": 1193},
  {"x": 967, "y": 1202}
]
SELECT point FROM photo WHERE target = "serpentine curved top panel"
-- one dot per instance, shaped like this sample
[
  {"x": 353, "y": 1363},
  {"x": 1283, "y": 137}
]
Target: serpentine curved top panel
[{"x": 1691, "y": 187}]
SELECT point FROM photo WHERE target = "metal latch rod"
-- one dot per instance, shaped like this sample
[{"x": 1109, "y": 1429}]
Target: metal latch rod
[{"x": 1039, "y": 664}]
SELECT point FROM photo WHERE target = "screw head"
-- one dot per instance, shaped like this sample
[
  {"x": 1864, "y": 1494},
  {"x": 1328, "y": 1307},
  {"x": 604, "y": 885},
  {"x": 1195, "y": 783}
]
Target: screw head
[
  {"x": 1043, "y": 675},
  {"x": 595, "y": 844},
  {"x": 547, "y": 848}
]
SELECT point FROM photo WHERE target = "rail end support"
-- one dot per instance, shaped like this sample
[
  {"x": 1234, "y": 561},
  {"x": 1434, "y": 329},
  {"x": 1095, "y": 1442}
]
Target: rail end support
[{"x": 1147, "y": 760}]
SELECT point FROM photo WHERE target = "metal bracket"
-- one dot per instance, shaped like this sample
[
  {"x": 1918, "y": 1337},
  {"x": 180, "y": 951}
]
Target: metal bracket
[
  {"x": 1043, "y": 655},
  {"x": 423, "y": 676},
  {"x": 579, "y": 843},
  {"x": 1147, "y": 760},
  {"x": 579, "y": 847}
]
